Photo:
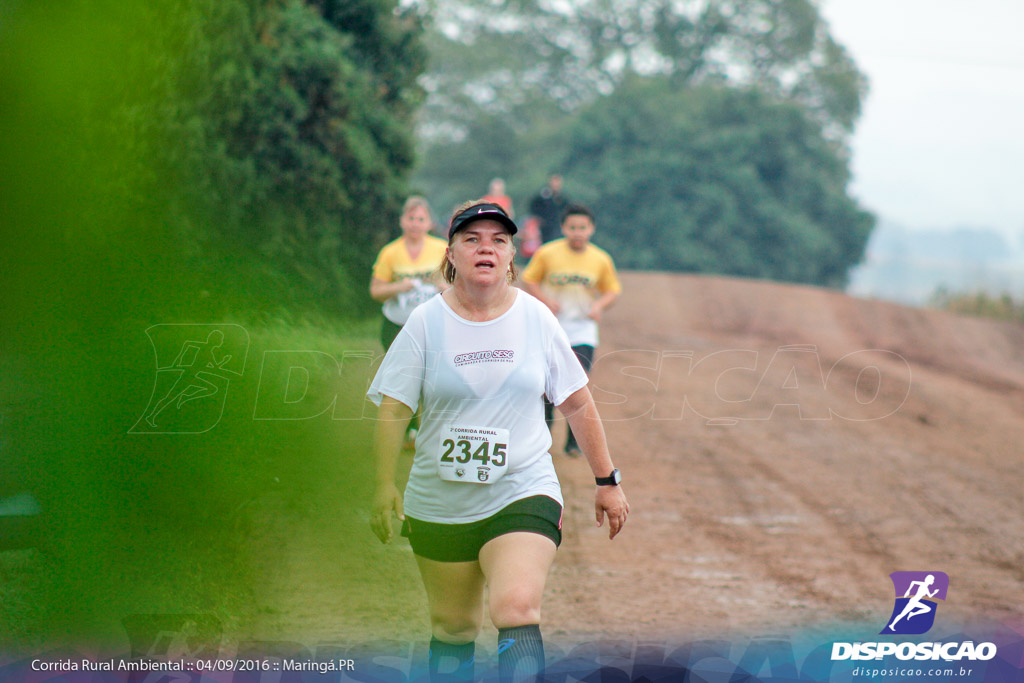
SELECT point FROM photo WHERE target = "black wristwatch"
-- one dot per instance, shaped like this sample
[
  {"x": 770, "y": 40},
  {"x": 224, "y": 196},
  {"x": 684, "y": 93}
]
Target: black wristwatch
[{"x": 611, "y": 480}]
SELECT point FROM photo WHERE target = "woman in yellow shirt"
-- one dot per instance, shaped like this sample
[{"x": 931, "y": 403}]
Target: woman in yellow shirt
[{"x": 405, "y": 273}]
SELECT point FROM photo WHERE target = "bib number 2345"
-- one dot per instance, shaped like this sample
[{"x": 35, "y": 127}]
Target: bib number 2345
[{"x": 473, "y": 454}]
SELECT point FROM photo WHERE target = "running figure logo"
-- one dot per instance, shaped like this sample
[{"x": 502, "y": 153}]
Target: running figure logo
[
  {"x": 173, "y": 636},
  {"x": 195, "y": 364},
  {"x": 916, "y": 596}
]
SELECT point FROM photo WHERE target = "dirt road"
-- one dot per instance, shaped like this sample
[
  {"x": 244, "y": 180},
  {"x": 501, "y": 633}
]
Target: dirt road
[{"x": 784, "y": 448}]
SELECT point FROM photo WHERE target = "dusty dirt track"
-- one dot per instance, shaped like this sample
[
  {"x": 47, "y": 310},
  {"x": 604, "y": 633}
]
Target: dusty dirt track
[{"x": 784, "y": 449}]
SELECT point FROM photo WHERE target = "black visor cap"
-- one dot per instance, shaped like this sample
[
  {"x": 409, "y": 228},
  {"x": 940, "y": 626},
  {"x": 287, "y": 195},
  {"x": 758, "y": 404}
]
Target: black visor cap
[{"x": 482, "y": 212}]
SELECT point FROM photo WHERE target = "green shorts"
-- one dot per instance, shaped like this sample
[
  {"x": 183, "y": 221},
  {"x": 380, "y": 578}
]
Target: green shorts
[{"x": 462, "y": 542}]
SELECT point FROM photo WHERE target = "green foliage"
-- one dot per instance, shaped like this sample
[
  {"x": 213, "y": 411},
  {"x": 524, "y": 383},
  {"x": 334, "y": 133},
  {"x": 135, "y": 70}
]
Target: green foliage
[
  {"x": 715, "y": 180},
  {"x": 178, "y": 162},
  {"x": 284, "y": 128},
  {"x": 712, "y": 179},
  {"x": 455, "y": 172},
  {"x": 504, "y": 56},
  {"x": 137, "y": 523},
  {"x": 716, "y": 129},
  {"x": 980, "y": 304}
]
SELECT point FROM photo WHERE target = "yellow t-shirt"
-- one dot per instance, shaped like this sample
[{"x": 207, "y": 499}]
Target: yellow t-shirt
[
  {"x": 575, "y": 280},
  {"x": 393, "y": 265}
]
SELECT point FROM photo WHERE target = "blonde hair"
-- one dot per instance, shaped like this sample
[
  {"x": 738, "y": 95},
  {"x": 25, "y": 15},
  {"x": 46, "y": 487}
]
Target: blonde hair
[
  {"x": 446, "y": 268},
  {"x": 413, "y": 202}
]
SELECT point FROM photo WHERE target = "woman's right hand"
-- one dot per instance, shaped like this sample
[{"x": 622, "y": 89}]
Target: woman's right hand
[
  {"x": 381, "y": 291},
  {"x": 386, "y": 501}
]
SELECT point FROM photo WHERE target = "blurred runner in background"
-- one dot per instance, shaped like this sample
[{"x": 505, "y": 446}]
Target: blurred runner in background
[
  {"x": 548, "y": 207},
  {"x": 577, "y": 281},
  {"x": 406, "y": 274},
  {"x": 496, "y": 195}
]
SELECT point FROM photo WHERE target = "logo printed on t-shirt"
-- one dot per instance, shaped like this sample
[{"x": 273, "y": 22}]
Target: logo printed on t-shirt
[
  {"x": 494, "y": 356},
  {"x": 561, "y": 279},
  {"x": 424, "y": 274}
]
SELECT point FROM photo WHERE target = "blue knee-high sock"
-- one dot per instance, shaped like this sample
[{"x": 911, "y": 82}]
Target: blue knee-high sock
[
  {"x": 440, "y": 662},
  {"x": 520, "y": 653}
]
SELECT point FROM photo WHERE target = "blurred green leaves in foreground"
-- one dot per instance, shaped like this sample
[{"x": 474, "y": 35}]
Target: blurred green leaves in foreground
[
  {"x": 191, "y": 190},
  {"x": 227, "y": 163}
]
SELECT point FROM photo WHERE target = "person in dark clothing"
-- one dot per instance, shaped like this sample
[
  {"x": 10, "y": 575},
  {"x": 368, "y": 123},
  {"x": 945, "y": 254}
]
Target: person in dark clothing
[{"x": 548, "y": 206}]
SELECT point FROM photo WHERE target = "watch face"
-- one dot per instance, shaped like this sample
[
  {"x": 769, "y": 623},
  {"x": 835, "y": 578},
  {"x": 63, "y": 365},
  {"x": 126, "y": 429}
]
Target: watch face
[{"x": 616, "y": 476}]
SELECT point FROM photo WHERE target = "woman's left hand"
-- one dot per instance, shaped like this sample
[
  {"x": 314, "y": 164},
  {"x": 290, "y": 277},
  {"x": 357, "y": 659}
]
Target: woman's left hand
[{"x": 611, "y": 500}]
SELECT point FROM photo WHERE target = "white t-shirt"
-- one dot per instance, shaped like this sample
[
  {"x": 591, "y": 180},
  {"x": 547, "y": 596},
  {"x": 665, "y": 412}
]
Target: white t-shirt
[
  {"x": 488, "y": 375},
  {"x": 398, "y": 308}
]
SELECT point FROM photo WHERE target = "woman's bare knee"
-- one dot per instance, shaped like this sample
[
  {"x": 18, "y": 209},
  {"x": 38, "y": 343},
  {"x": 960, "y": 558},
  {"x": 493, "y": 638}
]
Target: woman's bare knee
[
  {"x": 455, "y": 593},
  {"x": 455, "y": 629},
  {"x": 515, "y": 606},
  {"x": 516, "y": 566}
]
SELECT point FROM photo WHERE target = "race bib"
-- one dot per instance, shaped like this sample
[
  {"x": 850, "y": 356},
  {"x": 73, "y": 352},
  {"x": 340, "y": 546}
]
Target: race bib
[{"x": 478, "y": 455}]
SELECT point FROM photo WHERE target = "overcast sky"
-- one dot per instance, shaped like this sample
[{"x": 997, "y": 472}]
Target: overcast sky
[{"x": 940, "y": 141}]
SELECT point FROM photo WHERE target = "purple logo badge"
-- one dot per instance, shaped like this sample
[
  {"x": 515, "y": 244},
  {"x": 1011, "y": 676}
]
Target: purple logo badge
[{"x": 917, "y": 594}]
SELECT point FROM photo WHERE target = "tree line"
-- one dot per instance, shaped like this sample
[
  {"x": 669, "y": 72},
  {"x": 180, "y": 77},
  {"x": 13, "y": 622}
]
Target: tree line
[
  {"x": 289, "y": 126},
  {"x": 715, "y": 130},
  {"x": 707, "y": 135},
  {"x": 288, "y": 132}
]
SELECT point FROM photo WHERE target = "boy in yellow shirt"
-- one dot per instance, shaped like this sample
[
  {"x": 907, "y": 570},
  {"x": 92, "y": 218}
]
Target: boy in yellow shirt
[{"x": 577, "y": 281}]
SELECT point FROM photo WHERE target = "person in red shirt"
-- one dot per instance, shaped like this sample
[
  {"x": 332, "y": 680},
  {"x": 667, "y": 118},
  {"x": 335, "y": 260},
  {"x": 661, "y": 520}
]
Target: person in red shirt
[{"x": 496, "y": 195}]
